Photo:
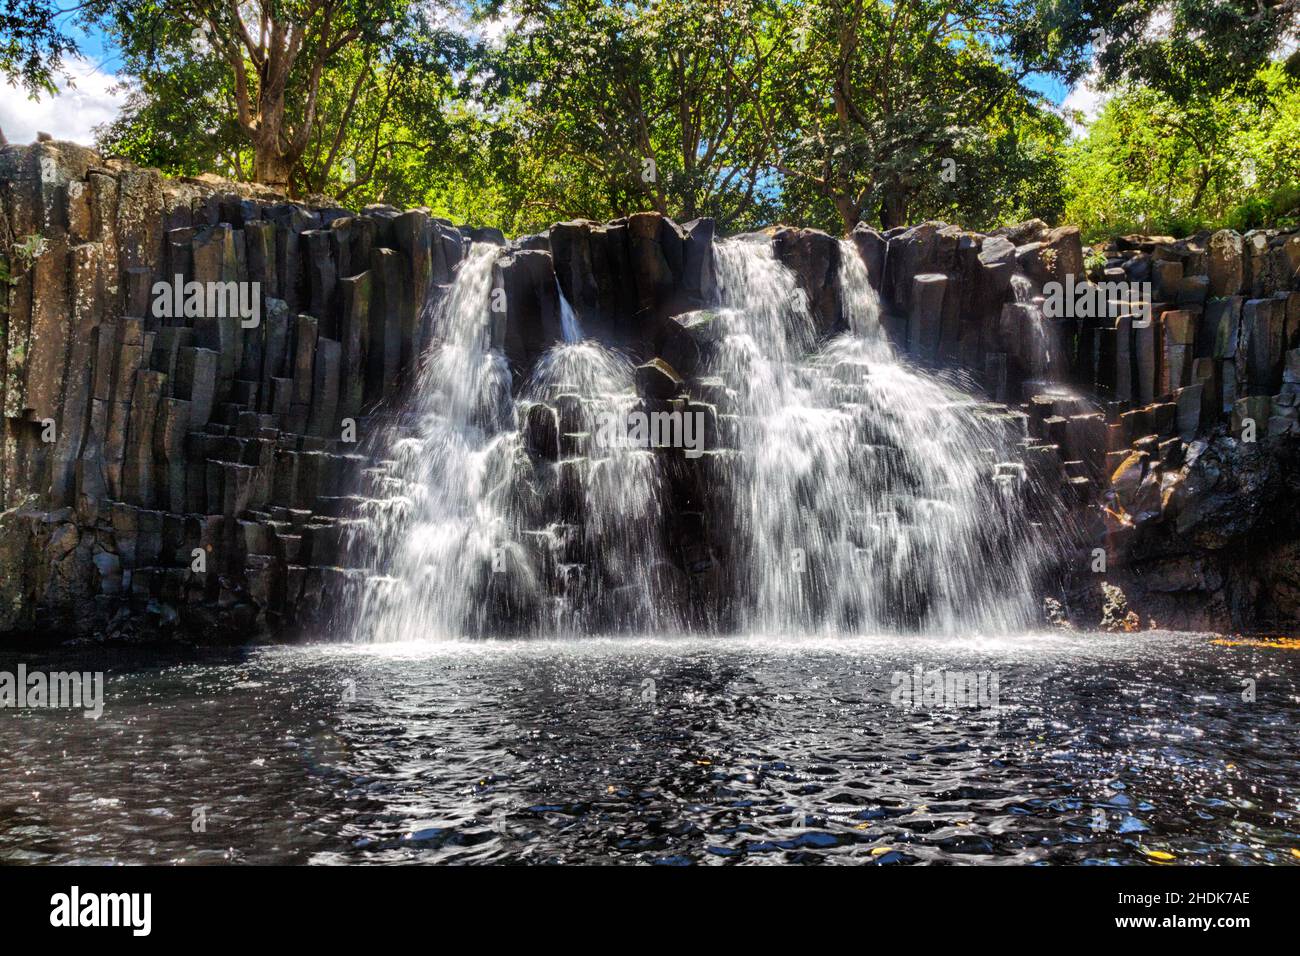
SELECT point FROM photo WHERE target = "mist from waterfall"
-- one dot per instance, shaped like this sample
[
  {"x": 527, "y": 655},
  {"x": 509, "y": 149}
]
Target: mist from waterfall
[{"x": 865, "y": 496}]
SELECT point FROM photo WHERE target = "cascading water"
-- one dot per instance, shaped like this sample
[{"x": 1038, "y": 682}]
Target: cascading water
[
  {"x": 570, "y": 327},
  {"x": 604, "y": 550},
  {"x": 861, "y": 495},
  {"x": 438, "y": 514},
  {"x": 864, "y": 498},
  {"x": 473, "y": 530},
  {"x": 1044, "y": 356}
]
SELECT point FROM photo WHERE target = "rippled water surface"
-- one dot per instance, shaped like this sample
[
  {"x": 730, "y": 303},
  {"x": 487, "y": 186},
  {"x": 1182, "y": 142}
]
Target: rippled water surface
[{"x": 1101, "y": 749}]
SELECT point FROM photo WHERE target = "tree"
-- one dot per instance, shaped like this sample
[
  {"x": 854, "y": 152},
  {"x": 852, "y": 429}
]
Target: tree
[
  {"x": 276, "y": 60},
  {"x": 643, "y": 104},
  {"x": 1188, "y": 49},
  {"x": 32, "y": 44},
  {"x": 878, "y": 100},
  {"x": 379, "y": 117},
  {"x": 1152, "y": 164}
]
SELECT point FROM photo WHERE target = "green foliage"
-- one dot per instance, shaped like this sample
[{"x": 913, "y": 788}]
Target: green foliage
[
  {"x": 180, "y": 118},
  {"x": 878, "y": 98},
  {"x": 276, "y": 91},
  {"x": 32, "y": 44},
  {"x": 1011, "y": 170},
  {"x": 1189, "y": 50},
  {"x": 610, "y": 108},
  {"x": 1149, "y": 164},
  {"x": 15, "y": 264},
  {"x": 519, "y": 113}
]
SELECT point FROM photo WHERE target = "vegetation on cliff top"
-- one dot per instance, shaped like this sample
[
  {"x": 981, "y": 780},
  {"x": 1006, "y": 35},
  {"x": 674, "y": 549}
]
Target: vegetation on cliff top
[{"x": 516, "y": 113}]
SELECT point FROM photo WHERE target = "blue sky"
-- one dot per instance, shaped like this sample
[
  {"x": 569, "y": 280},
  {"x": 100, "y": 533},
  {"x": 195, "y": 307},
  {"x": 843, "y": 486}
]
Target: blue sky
[{"x": 90, "y": 99}]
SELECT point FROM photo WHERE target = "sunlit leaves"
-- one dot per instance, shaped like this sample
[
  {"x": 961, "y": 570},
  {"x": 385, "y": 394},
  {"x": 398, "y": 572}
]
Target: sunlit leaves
[{"x": 1152, "y": 164}]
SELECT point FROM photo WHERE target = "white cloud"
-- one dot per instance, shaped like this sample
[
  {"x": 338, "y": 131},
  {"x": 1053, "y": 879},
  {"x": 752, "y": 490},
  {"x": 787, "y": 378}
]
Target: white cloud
[
  {"x": 1087, "y": 99},
  {"x": 90, "y": 99}
]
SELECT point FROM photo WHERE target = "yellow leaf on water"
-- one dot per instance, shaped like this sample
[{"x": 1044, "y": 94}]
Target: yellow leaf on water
[
  {"x": 880, "y": 850},
  {"x": 1295, "y": 853},
  {"x": 1271, "y": 643},
  {"x": 1160, "y": 855}
]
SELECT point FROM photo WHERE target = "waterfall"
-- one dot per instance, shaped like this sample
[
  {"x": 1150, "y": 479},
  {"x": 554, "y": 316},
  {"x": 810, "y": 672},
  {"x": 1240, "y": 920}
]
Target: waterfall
[
  {"x": 570, "y": 327},
  {"x": 865, "y": 496},
  {"x": 477, "y": 529},
  {"x": 604, "y": 546},
  {"x": 1044, "y": 359},
  {"x": 857, "y": 494},
  {"x": 437, "y": 516}
]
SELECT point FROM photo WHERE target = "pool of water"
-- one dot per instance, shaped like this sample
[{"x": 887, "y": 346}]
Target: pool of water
[{"x": 1035, "y": 749}]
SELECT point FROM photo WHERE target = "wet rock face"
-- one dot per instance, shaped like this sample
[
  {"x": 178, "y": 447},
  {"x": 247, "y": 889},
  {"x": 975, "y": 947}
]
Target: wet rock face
[
  {"x": 529, "y": 308},
  {"x": 626, "y": 278},
  {"x": 171, "y": 466},
  {"x": 1215, "y": 545},
  {"x": 190, "y": 470},
  {"x": 174, "y": 468},
  {"x": 814, "y": 258}
]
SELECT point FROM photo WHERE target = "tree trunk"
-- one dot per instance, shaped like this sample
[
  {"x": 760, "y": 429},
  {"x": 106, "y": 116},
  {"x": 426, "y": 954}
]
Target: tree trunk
[
  {"x": 270, "y": 168},
  {"x": 850, "y": 212},
  {"x": 272, "y": 165},
  {"x": 893, "y": 210},
  {"x": 1202, "y": 182}
]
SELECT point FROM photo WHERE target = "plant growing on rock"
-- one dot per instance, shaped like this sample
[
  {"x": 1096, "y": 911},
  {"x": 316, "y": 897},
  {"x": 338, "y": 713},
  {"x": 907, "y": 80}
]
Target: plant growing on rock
[
  {"x": 30, "y": 249},
  {"x": 1115, "y": 614},
  {"x": 23, "y": 254}
]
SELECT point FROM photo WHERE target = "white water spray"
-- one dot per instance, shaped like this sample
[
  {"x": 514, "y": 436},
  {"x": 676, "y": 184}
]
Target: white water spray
[
  {"x": 470, "y": 533},
  {"x": 861, "y": 495},
  {"x": 436, "y": 521},
  {"x": 863, "y": 499},
  {"x": 606, "y": 544}
]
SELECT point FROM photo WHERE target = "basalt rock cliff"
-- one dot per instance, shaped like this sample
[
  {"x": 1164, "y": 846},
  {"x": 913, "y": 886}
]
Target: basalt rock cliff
[{"x": 193, "y": 475}]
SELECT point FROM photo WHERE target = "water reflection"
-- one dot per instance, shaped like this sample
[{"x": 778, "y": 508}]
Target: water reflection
[{"x": 1101, "y": 750}]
